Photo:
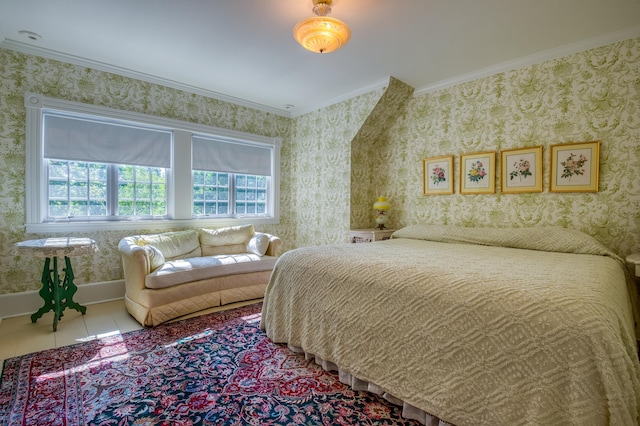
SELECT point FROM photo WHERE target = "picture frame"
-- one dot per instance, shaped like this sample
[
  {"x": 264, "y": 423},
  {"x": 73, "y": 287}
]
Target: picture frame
[
  {"x": 477, "y": 173},
  {"x": 521, "y": 170},
  {"x": 437, "y": 175},
  {"x": 575, "y": 167}
]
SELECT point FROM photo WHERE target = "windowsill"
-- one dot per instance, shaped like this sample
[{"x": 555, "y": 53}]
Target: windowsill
[{"x": 141, "y": 225}]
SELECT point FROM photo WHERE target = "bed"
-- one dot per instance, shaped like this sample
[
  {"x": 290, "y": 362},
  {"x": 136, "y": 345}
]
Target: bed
[{"x": 469, "y": 326}]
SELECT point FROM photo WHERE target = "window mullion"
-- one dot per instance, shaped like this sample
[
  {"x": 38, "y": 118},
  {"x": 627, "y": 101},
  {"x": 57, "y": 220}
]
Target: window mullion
[
  {"x": 112, "y": 190},
  {"x": 232, "y": 194},
  {"x": 68, "y": 190}
]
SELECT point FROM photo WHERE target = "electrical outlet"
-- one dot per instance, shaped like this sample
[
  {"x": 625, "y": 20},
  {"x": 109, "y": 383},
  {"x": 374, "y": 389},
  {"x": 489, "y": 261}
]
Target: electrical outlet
[{"x": 115, "y": 272}]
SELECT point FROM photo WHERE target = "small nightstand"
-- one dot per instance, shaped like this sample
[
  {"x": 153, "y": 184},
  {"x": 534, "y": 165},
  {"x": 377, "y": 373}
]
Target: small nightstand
[
  {"x": 369, "y": 235},
  {"x": 634, "y": 259}
]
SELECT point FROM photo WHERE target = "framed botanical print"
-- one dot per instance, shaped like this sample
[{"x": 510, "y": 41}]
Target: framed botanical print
[
  {"x": 575, "y": 167},
  {"x": 477, "y": 173},
  {"x": 437, "y": 175},
  {"x": 521, "y": 170}
]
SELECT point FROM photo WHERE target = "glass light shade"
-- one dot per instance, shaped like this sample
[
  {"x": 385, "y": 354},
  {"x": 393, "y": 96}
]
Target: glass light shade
[
  {"x": 381, "y": 220},
  {"x": 321, "y": 34},
  {"x": 381, "y": 204}
]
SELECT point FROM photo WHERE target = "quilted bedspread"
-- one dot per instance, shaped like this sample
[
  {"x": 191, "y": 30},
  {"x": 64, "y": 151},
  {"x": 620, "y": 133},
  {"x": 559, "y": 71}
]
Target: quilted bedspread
[{"x": 474, "y": 326}]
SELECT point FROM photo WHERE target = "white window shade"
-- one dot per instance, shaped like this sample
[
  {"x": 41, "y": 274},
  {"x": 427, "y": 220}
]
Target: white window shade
[
  {"x": 230, "y": 157},
  {"x": 79, "y": 139}
]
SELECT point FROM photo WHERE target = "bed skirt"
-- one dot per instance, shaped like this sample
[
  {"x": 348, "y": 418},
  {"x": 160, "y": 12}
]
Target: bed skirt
[{"x": 408, "y": 410}]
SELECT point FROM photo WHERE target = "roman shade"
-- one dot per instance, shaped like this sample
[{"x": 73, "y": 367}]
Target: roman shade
[
  {"x": 87, "y": 139},
  {"x": 219, "y": 155}
]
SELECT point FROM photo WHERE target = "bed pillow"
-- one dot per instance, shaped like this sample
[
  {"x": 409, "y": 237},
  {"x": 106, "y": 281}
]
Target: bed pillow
[
  {"x": 155, "y": 256},
  {"x": 258, "y": 244}
]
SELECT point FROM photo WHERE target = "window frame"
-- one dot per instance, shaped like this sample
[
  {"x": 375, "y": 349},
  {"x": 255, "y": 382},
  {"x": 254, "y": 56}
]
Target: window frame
[{"x": 179, "y": 176}]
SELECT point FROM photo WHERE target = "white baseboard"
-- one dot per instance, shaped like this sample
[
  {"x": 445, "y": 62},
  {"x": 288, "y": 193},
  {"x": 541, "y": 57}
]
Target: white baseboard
[{"x": 28, "y": 302}]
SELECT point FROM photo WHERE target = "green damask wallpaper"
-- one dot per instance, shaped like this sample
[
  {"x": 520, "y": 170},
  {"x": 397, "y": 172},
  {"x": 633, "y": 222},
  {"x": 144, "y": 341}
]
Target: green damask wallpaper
[
  {"x": 315, "y": 157},
  {"x": 330, "y": 176},
  {"x": 592, "y": 95}
]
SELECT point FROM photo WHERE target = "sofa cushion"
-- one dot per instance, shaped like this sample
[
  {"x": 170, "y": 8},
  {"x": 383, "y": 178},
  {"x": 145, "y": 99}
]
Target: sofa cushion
[
  {"x": 258, "y": 244},
  {"x": 155, "y": 256},
  {"x": 174, "y": 245},
  {"x": 199, "y": 268},
  {"x": 230, "y": 240}
]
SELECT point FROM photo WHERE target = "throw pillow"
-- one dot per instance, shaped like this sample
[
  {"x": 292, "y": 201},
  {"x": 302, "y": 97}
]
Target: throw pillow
[
  {"x": 226, "y": 236},
  {"x": 258, "y": 244},
  {"x": 155, "y": 256}
]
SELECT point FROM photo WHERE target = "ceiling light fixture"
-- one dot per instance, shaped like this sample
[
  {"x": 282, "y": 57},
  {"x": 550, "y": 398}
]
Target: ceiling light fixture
[{"x": 321, "y": 34}]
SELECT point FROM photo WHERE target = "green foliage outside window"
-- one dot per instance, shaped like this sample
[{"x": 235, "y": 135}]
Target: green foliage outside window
[
  {"x": 212, "y": 190},
  {"x": 80, "y": 189}
]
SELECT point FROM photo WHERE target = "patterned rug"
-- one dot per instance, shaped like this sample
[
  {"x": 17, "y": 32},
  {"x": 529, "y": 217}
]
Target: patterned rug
[{"x": 216, "y": 369}]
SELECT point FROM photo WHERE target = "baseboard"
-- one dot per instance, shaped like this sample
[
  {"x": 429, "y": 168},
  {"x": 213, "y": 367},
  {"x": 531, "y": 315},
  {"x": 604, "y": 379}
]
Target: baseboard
[{"x": 28, "y": 302}]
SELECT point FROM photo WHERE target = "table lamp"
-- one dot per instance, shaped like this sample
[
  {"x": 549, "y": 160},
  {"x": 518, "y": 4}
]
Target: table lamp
[{"x": 381, "y": 206}]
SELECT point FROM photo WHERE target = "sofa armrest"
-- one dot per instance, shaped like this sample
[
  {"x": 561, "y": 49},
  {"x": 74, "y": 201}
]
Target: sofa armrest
[
  {"x": 274, "y": 245},
  {"x": 135, "y": 266}
]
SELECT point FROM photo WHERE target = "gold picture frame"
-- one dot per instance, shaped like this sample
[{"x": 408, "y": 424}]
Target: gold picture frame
[
  {"x": 521, "y": 170},
  {"x": 437, "y": 175},
  {"x": 477, "y": 173},
  {"x": 575, "y": 167}
]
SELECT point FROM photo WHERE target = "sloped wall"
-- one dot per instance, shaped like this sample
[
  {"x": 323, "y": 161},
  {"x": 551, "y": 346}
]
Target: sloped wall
[
  {"x": 369, "y": 144},
  {"x": 321, "y": 156}
]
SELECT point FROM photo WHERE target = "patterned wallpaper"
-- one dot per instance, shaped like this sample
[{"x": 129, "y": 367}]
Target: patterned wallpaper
[
  {"x": 315, "y": 157},
  {"x": 330, "y": 177},
  {"x": 20, "y": 73},
  {"x": 367, "y": 145},
  {"x": 592, "y": 95},
  {"x": 321, "y": 153}
]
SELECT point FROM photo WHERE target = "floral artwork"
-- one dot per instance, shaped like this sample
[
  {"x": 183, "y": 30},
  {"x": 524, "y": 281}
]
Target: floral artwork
[
  {"x": 437, "y": 175},
  {"x": 477, "y": 173},
  {"x": 521, "y": 170},
  {"x": 575, "y": 167}
]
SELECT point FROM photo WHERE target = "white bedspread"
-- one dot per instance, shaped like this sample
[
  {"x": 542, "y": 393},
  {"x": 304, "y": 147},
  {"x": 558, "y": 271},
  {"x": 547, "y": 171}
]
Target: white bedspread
[{"x": 467, "y": 330}]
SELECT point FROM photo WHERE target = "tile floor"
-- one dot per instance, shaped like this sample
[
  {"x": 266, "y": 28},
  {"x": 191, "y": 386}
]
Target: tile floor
[{"x": 19, "y": 336}]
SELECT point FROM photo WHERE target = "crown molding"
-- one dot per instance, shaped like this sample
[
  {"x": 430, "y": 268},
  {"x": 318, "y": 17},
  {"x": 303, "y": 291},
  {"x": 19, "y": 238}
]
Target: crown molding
[
  {"x": 560, "y": 52},
  {"x": 101, "y": 66},
  {"x": 536, "y": 58}
]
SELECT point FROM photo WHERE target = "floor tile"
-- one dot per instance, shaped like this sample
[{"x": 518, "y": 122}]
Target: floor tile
[{"x": 19, "y": 336}]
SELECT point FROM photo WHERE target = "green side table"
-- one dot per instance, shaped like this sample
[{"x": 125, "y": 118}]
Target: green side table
[{"x": 57, "y": 291}]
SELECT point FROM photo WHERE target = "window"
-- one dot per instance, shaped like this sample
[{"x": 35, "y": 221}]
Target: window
[
  {"x": 251, "y": 194},
  {"x": 77, "y": 189},
  {"x": 230, "y": 178},
  {"x": 80, "y": 190},
  {"x": 103, "y": 169},
  {"x": 142, "y": 191},
  {"x": 212, "y": 194},
  {"x": 91, "y": 167}
]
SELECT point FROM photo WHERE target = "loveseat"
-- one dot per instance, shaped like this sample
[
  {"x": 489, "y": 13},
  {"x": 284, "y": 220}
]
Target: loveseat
[{"x": 172, "y": 274}]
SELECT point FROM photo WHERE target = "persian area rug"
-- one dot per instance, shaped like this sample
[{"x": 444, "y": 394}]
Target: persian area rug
[{"x": 216, "y": 369}]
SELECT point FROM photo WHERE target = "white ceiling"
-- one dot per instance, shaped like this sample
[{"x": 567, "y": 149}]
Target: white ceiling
[{"x": 243, "y": 50}]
